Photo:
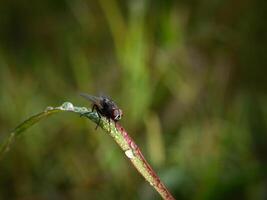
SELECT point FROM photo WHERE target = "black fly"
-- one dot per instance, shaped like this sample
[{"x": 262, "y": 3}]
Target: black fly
[{"x": 105, "y": 107}]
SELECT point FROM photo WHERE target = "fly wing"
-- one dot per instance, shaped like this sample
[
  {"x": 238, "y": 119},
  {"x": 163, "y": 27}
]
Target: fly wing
[{"x": 93, "y": 99}]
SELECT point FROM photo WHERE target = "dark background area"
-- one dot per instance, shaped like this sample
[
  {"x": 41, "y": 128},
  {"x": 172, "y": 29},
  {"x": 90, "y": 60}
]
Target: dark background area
[{"x": 190, "y": 77}]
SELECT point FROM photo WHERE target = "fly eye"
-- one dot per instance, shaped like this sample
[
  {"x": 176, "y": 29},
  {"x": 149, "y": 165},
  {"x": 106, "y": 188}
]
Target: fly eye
[{"x": 117, "y": 114}]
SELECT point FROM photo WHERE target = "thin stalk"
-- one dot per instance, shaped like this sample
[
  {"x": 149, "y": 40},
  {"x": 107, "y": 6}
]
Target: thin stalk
[{"x": 116, "y": 131}]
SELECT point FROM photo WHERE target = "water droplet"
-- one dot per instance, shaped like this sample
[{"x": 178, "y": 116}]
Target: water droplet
[
  {"x": 48, "y": 108},
  {"x": 129, "y": 153},
  {"x": 67, "y": 106}
]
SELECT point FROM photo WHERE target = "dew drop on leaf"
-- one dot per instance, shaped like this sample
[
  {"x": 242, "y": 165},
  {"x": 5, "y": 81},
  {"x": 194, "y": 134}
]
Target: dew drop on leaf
[
  {"x": 67, "y": 106},
  {"x": 129, "y": 153},
  {"x": 48, "y": 108}
]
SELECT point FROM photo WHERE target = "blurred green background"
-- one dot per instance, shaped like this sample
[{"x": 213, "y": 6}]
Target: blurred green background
[{"x": 190, "y": 77}]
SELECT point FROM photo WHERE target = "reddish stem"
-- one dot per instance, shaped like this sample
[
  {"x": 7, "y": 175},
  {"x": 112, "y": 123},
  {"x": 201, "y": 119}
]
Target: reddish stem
[{"x": 145, "y": 169}]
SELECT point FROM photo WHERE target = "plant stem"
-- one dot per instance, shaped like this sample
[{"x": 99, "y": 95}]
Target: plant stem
[
  {"x": 135, "y": 155},
  {"x": 116, "y": 131},
  {"x": 133, "y": 152}
]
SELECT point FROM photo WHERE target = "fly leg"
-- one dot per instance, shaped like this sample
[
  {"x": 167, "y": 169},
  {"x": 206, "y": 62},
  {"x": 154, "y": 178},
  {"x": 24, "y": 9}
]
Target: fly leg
[
  {"x": 116, "y": 126},
  {"x": 98, "y": 114},
  {"x": 109, "y": 125},
  {"x": 99, "y": 118},
  {"x": 93, "y": 108}
]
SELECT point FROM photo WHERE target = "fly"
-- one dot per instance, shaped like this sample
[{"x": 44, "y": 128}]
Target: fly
[{"x": 105, "y": 107}]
